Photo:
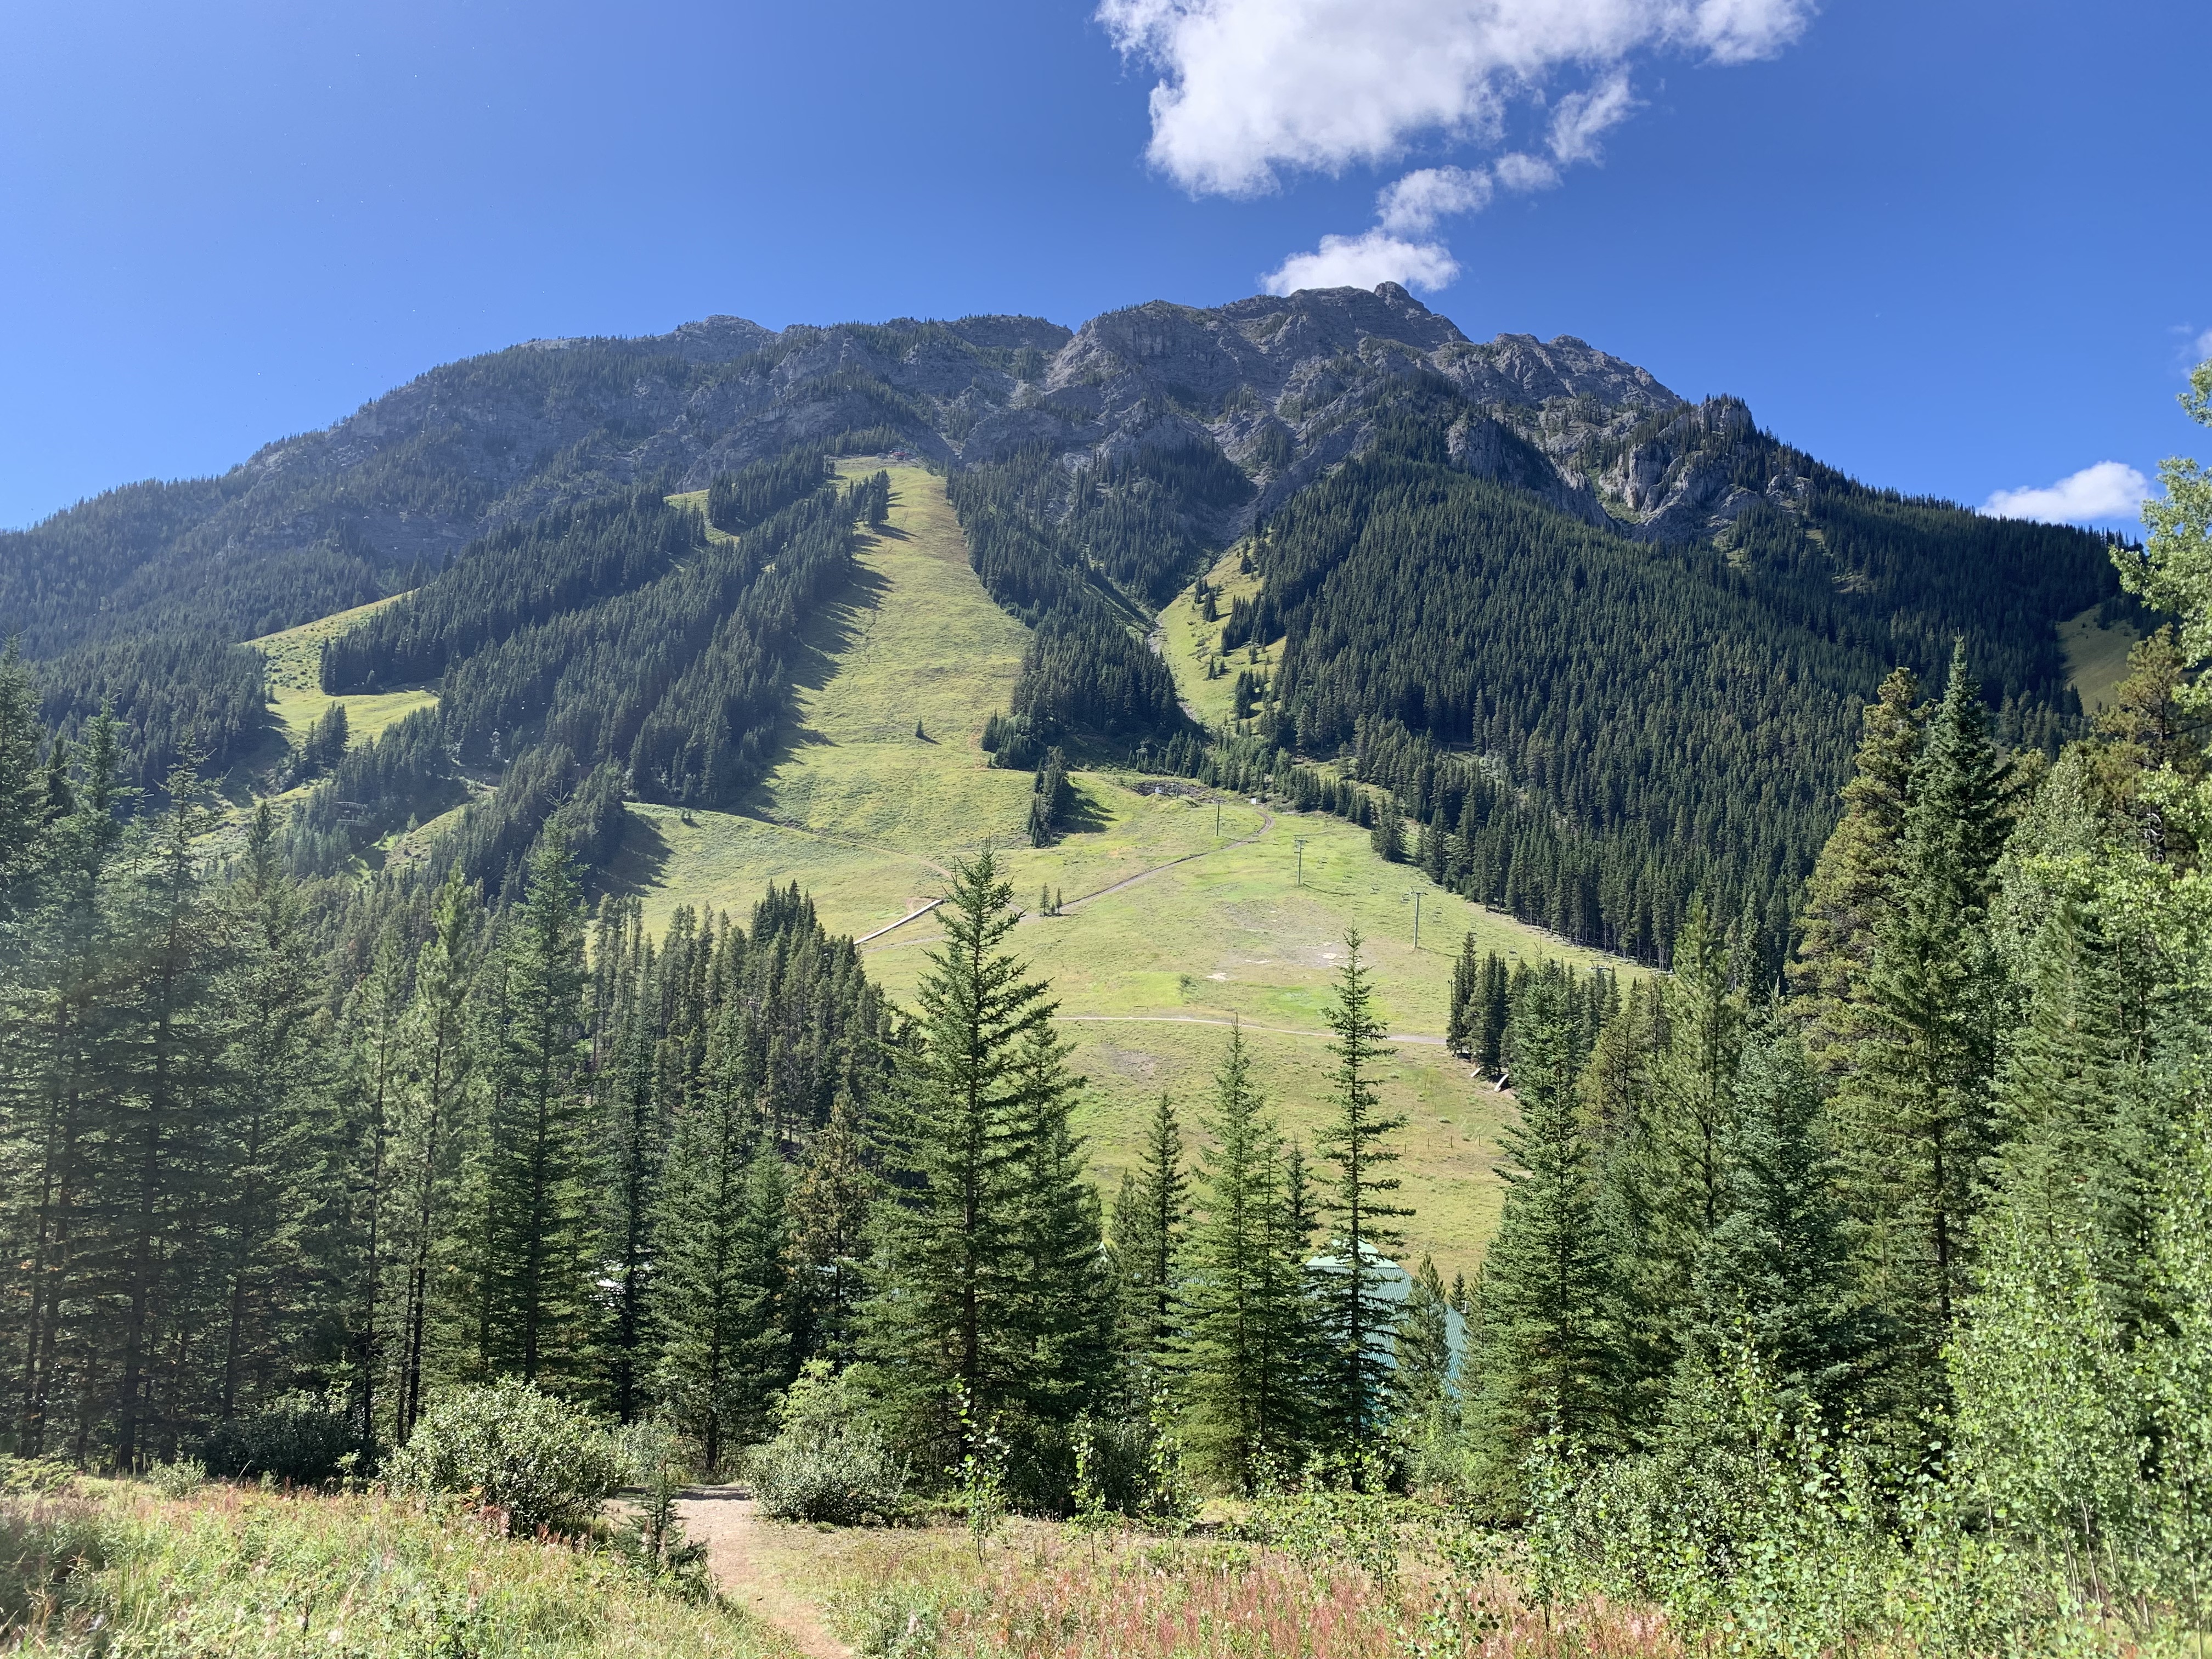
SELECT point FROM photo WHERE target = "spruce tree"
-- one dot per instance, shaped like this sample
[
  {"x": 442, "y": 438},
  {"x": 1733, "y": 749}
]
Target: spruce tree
[
  {"x": 159, "y": 1113},
  {"x": 1060, "y": 1317},
  {"x": 1489, "y": 1025},
  {"x": 830, "y": 1202},
  {"x": 1544, "y": 1346},
  {"x": 712, "y": 1311},
  {"x": 1853, "y": 886},
  {"x": 1360, "y": 1314},
  {"x": 1149, "y": 1218},
  {"x": 1248, "y": 1321},
  {"x": 539, "y": 1176},
  {"x": 1424, "y": 1408},
  {"x": 1463, "y": 1011},
  {"x": 431, "y": 1130},
  {"x": 1775, "y": 1272},
  {"x": 635, "y": 1136},
  {"x": 1918, "y": 1113},
  {"x": 940, "y": 1332}
]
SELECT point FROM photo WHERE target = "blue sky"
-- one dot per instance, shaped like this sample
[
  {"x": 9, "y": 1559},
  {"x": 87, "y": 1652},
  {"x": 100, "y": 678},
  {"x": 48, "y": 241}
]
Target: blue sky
[{"x": 1954, "y": 248}]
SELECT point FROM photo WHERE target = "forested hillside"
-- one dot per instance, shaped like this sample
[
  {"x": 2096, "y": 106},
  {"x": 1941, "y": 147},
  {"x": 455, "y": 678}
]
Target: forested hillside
[
  {"x": 1599, "y": 646},
  {"x": 1604, "y": 727}
]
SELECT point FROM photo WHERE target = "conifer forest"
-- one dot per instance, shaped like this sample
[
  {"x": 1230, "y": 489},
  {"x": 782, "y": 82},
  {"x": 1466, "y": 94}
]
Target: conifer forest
[{"x": 1850, "y": 1288}]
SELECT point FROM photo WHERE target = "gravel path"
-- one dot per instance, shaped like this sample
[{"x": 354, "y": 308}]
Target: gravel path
[{"x": 741, "y": 1553}]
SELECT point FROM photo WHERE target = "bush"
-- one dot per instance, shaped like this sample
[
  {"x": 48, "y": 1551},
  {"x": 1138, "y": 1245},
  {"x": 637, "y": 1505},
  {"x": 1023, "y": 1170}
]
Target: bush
[
  {"x": 515, "y": 1448},
  {"x": 178, "y": 1480},
  {"x": 303, "y": 1438},
  {"x": 825, "y": 1462}
]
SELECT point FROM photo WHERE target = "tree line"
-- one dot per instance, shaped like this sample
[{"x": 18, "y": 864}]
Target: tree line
[{"x": 1635, "y": 723}]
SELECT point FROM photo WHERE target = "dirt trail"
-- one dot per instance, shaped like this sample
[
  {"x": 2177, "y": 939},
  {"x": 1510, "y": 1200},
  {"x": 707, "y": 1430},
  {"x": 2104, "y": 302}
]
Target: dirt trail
[{"x": 741, "y": 1553}]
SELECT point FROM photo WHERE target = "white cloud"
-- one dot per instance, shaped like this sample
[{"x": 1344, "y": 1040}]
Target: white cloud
[
  {"x": 2205, "y": 345},
  {"x": 1519, "y": 171},
  {"x": 1365, "y": 261},
  {"x": 1248, "y": 89},
  {"x": 2110, "y": 490},
  {"x": 1583, "y": 117},
  {"x": 1417, "y": 201}
]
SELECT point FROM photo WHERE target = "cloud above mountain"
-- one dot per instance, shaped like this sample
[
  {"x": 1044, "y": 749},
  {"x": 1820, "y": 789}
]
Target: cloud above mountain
[
  {"x": 1254, "y": 91},
  {"x": 2108, "y": 490}
]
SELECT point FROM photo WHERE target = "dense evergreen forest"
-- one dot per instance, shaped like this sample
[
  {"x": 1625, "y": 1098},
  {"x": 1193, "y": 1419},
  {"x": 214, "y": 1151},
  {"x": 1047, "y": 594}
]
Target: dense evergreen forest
[
  {"x": 1587, "y": 731},
  {"x": 1079, "y": 558},
  {"x": 1866, "y": 1305},
  {"x": 617, "y": 651}
]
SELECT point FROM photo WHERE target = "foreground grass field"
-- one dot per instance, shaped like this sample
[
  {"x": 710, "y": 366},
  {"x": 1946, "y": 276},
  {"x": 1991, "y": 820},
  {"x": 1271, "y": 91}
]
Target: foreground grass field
[
  {"x": 1182, "y": 911},
  {"x": 1346, "y": 1578},
  {"x": 233, "y": 1572}
]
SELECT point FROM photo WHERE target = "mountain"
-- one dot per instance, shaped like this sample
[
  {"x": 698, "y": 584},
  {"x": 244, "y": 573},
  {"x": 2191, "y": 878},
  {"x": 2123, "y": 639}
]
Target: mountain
[{"x": 1616, "y": 638}]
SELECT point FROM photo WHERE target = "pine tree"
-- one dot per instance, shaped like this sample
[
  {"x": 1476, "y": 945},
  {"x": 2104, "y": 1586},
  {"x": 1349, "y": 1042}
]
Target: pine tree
[
  {"x": 1544, "y": 1347},
  {"x": 1247, "y": 1320},
  {"x": 1389, "y": 835},
  {"x": 2148, "y": 732},
  {"x": 634, "y": 1132},
  {"x": 830, "y": 1205},
  {"x": 1424, "y": 1412},
  {"x": 1149, "y": 1219},
  {"x": 1463, "y": 1011},
  {"x": 1854, "y": 884},
  {"x": 270, "y": 994},
  {"x": 429, "y": 1135},
  {"x": 1690, "y": 1117},
  {"x": 1775, "y": 1271},
  {"x": 1918, "y": 1113},
  {"x": 708, "y": 1309},
  {"x": 940, "y": 1332},
  {"x": 1356, "y": 1142},
  {"x": 538, "y": 1183},
  {"x": 367, "y": 1105},
  {"x": 1490, "y": 1024},
  {"x": 158, "y": 1132},
  {"x": 59, "y": 1040},
  {"x": 1059, "y": 1315}
]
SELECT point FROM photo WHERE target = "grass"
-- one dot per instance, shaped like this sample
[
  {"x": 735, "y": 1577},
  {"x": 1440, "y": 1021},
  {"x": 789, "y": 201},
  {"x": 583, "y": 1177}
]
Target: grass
[
  {"x": 293, "y": 661},
  {"x": 2096, "y": 657},
  {"x": 867, "y": 819},
  {"x": 110, "y": 1566},
  {"x": 1189, "y": 642},
  {"x": 1040, "y": 1591}
]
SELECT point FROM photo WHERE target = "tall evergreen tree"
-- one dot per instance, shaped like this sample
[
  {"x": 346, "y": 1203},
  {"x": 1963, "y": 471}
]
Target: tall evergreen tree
[
  {"x": 1356, "y": 1142},
  {"x": 430, "y": 1133},
  {"x": 830, "y": 1203},
  {"x": 1248, "y": 1321},
  {"x": 1854, "y": 883},
  {"x": 1149, "y": 1218},
  {"x": 270, "y": 992},
  {"x": 1775, "y": 1270},
  {"x": 1463, "y": 1010},
  {"x": 537, "y": 1268},
  {"x": 1918, "y": 1113},
  {"x": 942, "y": 1331},
  {"x": 1545, "y": 1349}
]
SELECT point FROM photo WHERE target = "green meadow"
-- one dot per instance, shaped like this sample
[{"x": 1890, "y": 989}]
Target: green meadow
[{"x": 1182, "y": 912}]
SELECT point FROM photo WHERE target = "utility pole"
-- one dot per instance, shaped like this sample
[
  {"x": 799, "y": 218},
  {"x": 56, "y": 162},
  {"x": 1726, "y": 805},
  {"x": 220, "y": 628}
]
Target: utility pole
[
  {"x": 1217, "y": 817},
  {"x": 1414, "y": 894},
  {"x": 1298, "y": 844}
]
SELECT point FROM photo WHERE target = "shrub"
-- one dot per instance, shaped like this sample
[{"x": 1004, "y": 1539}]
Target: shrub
[
  {"x": 825, "y": 1462},
  {"x": 303, "y": 1438},
  {"x": 512, "y": 1446},
  {"x": 178, "y": 1480}
]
